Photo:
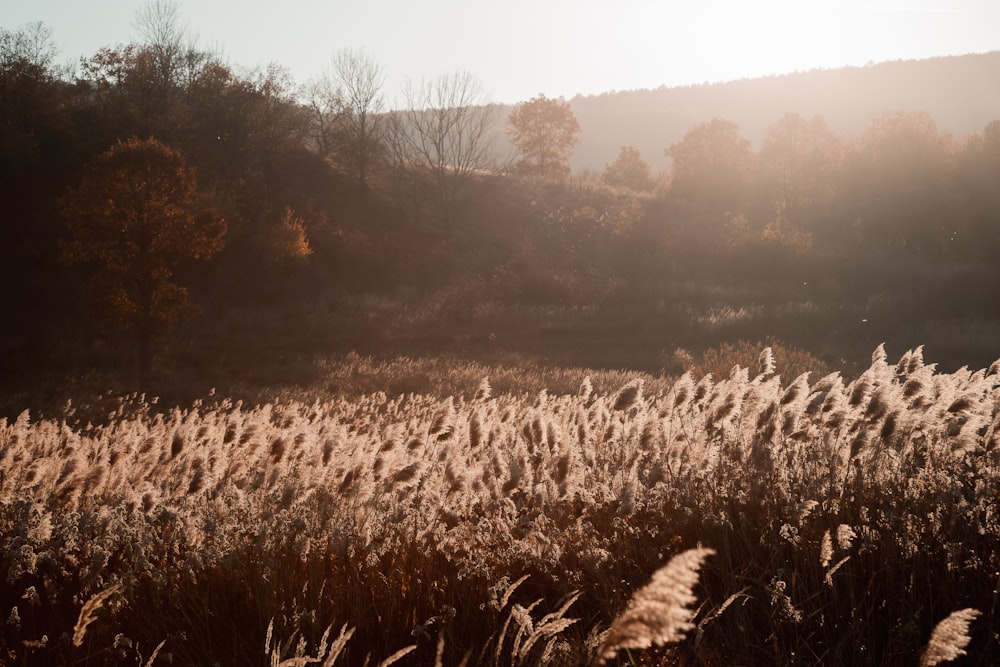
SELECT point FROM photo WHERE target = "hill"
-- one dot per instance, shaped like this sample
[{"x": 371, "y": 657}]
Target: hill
[{"x": 962, "y": 93}]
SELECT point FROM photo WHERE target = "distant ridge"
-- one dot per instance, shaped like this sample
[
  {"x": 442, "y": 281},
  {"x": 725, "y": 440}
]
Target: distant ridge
[{"x": 962, "y": 93}]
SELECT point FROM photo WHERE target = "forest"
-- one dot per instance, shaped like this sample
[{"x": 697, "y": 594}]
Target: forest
[
  {"x": 344, "y": 225},
  {"x": 291, "y": 375}
]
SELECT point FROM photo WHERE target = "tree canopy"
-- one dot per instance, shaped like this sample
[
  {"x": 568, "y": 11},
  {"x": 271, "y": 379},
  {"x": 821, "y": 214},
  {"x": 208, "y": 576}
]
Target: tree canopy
[
  {"x": 132, "y": 216},
  {"x": 544, "y": 132},
  {"x": 712, "y": 166},
  {"x": 629, "y": 170}
]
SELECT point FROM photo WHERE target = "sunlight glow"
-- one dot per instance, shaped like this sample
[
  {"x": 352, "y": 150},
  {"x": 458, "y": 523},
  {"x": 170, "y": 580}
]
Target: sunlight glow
[{"x": 559, "y": 47}]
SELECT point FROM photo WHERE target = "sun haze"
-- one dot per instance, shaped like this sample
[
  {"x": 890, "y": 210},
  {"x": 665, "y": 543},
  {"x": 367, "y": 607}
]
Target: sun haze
[{"x": 558, "y": 47}]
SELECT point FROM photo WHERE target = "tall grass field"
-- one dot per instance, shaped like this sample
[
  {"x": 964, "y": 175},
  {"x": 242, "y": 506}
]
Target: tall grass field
[{"x": 748, "y": 519}]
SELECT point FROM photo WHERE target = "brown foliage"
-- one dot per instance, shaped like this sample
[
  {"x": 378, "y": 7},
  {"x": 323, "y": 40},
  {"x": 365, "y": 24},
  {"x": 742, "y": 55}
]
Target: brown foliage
[
  {"x": 131, "y": 215},
  {"x": 629, "y": 170},
  {"x": 544, "y": 131}
]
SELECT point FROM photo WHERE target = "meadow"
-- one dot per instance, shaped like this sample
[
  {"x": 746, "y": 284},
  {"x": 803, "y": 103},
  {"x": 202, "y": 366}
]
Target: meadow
[
  {"x": 418, "y": 450},
  {"x": 713, "y": 519}
]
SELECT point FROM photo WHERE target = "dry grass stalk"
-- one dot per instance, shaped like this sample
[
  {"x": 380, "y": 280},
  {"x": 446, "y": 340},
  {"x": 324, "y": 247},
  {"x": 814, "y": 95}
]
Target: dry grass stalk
[
  {"x": 628, "y": 396},
  {"x": 156, "y": 652},
  {"x": 659, "y": 613},
  {"x": 398, "y": 655},
  {"x": 949, "y": 638},
  {"x": 510, "y": 477},
  {"x": 88, "y": 613},
  {"x": 548, "y": 627},
  {"x": 826, "y": 549}
]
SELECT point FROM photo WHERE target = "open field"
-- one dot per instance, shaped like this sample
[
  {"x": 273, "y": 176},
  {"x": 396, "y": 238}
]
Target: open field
[
  {"x": 841, "y": 521},
  {"x": 291, "y": 374}
]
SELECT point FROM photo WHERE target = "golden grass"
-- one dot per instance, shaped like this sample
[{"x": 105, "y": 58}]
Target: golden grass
[{"x": 846, "y": 518}]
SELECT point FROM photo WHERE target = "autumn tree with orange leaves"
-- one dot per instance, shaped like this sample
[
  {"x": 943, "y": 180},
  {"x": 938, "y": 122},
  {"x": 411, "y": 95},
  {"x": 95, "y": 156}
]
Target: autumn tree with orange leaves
[{"x": 132, "y": 215}]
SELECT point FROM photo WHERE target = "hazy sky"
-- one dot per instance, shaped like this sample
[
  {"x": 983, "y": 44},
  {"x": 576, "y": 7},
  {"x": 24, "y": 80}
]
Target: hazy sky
[{"x": 519, "y": 48}]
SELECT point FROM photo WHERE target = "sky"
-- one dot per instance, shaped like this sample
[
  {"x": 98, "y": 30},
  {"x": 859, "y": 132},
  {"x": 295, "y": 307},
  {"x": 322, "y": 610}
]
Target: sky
[{"x": 518, "y": 49}]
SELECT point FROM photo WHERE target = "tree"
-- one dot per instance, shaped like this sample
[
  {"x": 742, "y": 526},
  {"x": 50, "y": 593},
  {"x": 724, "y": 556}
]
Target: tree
[
  {"x": 324, "y": 112},
  {"x": 629, "y": 170},
  {"x": 166, "y": 61},
  {"x": 27, "y": 93},
  {"x": 345, "y": 108},
  {"x": 446, "y": 132},
  {"x": 978, "y": 173},
  {"x": 37, "y": 150},
  {"x": 800, "y": 159},
  {"x": 159, "y": 24},
  {"x": 901, "y": 182},
  {"x": 29, "y": 48},
  {"x": 132, "y": 216},
  {"x": 544, "y": 132},
  {"x": 360, "y": 81},
  {"x": 711, "y": 167}
]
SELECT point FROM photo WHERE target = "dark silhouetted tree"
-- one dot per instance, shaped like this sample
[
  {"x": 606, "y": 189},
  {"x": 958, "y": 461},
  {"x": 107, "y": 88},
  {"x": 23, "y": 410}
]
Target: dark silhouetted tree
[
  {"x": 544, "y": 132},
  {"x": 132, "y": 216},
  {"x": 27, "y": 93},
  {"x": 37, "y": 156}
]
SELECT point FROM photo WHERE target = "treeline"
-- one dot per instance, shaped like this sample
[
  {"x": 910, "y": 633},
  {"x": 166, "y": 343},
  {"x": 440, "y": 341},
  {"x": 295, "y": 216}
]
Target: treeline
[
  {"x": 958, "y": 91},
  {"x": 326, "y": 195}
]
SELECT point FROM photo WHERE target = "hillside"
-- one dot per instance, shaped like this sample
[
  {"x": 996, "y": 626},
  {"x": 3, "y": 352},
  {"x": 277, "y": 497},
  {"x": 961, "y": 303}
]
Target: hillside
[
  {"x": 869, "y": 228},
  {"x": 962, "y": 93},
  {"x": 289, "y": 383}
]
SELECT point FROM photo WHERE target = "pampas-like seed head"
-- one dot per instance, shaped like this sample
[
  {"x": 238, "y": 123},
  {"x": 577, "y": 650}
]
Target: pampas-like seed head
[
  {"x": 845, "y": 536},
  {"x": 484, "y": 392},
  {"x": 629, "y": 395},
  {"x": 765, "y": 362},
  {"x": 949, "y": 638},
  {"x": 659, "y": 612},
  {"x": 826, "y": 549},
  {"x": 88, "y": 613}
]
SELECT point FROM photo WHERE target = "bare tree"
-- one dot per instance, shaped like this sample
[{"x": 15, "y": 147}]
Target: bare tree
[
  {"x": 448, "y": 131},
  {"x": 159, "y": 25},
  {"x": 28, "y": 49},
  {"x": 324, "y": 108},
  {"x": 346, "y": 107},
  {"x": 167, "y": 62},
  {"x": 360, "y": 80}
]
